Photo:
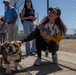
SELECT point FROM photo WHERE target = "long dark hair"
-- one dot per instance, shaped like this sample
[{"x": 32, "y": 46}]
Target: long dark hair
[
  {"x": 58, "y": 22},
  {"x": 25, "y": 6}
]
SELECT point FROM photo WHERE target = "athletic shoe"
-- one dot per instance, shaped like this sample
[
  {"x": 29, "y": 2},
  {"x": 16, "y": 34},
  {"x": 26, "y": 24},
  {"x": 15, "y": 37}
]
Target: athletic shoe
[{"x": 37, "y": 62}]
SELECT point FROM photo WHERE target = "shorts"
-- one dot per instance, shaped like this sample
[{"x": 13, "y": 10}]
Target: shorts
[{"x": 3, "y": 35}]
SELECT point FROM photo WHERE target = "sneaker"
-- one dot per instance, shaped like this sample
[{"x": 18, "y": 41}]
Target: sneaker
[
  {"x": 55, "y": 59},
  {"x": 30, "y": 54},
  {"x": 37, "y": 62},
  {"x": 34, "y": 53}
]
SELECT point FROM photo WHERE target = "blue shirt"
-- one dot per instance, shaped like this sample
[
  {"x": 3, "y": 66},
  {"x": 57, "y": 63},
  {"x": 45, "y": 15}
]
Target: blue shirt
[{"x": 10, "y": 13}]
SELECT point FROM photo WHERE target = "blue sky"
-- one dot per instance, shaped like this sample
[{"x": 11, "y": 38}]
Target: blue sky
[
  {"x": 68, "y": 9},
  {"x": 1, "y": 8}
]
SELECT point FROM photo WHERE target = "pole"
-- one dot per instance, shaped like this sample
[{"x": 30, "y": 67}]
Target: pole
[
  {"x": 37, "y": 18},
  {"x": 47, "y": 5}
]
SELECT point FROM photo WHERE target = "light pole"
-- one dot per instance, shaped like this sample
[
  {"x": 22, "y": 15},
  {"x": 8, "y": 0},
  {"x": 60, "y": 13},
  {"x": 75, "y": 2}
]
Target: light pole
[
  {"x": 37, "y": 18},
  {"x": 47, "y": 5}
]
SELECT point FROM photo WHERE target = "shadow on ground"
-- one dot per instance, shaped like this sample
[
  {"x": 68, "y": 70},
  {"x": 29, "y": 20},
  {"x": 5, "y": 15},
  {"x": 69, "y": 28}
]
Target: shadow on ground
[
  {"x": 45, "y": 68},
  {"x": 14, "y": 72}
]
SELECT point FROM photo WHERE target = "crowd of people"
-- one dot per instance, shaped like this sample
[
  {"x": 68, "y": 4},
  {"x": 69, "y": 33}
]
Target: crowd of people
[{"x": 46, "y": 35}]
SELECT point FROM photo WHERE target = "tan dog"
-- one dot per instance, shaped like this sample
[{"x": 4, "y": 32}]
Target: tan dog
[{"x": 12, "y": 52}]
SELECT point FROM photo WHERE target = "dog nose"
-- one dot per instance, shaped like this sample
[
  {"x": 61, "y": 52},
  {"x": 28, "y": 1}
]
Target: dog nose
[{"x": 10, "y": 48}]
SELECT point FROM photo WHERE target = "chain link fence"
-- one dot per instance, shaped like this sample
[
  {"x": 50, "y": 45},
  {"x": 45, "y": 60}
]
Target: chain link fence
[
  {"x": 68, "y": 9},
  {"x": 68, "y": 15}
]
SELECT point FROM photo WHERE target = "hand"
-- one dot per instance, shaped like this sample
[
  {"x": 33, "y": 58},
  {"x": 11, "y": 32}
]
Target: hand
[
  {"x": 43, "y": 33},
  {"x": 32, "y": 18},
  {"x": 14, "y": 22},
  {"x": 22, "y": 40},
  {"x": 19, "y": 41}
]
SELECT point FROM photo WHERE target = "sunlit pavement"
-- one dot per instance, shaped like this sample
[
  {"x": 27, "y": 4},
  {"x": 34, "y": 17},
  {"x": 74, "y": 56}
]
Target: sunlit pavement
[{"x": 66, "y": 66}]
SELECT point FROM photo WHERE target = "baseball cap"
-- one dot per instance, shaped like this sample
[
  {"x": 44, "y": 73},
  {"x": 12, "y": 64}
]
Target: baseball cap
[
  {"x": 28, "y": 0},
  {"x": 56, "y": 9},
  {"x": 6, "y": 1}
]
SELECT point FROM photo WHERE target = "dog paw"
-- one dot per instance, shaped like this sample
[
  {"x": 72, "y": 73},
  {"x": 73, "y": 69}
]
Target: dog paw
[
  {"x": 8, "y": 71},
  {"x": 17, "y": 68}
]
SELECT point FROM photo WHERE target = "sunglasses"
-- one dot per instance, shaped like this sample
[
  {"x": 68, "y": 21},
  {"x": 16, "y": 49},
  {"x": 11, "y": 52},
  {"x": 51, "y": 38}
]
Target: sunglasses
[{"x": 52, "y": 11}]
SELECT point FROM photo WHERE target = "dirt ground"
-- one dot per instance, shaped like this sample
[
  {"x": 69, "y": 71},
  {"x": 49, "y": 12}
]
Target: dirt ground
[{"x": 68, "y": 45}]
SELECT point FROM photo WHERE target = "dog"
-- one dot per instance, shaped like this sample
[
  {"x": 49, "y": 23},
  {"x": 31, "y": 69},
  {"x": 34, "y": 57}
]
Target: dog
[{"x": 11, "y": 52}]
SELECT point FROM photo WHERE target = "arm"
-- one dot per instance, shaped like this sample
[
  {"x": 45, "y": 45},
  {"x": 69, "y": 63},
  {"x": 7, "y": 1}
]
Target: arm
[
  {"x": 15, "y": 18},
  {"x": 15, "y": 15},
  {"x": 30, "y": 36},
  {"x": 3, "y": 24},
  {"x": 29, "y": 17},
  {"x": 22, "y": 14},
  {"x": 25, "y": 18},
  {"x": 57, "y": 39},
  {"x": 33, "y": 17}
]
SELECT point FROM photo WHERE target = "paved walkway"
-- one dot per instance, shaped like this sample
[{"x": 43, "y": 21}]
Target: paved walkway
[
  {"x": 67, "y": 64},
  {"x": 22, "y": 71}
]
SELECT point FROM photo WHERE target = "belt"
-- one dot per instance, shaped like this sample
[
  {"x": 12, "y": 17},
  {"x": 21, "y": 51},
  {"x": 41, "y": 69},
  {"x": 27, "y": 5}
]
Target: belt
[{"x": 9, "y": 22}]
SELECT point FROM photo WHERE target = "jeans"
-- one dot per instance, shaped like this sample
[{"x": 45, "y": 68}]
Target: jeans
[{"x": 28, "y": 26}]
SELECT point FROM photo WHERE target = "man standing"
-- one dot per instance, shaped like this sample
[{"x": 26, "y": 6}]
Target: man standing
[{"x": 10, "y": 18}]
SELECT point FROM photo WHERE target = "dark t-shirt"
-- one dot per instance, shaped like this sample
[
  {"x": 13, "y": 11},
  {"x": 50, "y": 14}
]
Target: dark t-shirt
[{"x": 29, "y": 12}]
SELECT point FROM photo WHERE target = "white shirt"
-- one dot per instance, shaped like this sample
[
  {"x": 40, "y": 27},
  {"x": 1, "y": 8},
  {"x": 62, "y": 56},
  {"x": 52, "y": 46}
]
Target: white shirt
[{"x": 51, "y": 29}]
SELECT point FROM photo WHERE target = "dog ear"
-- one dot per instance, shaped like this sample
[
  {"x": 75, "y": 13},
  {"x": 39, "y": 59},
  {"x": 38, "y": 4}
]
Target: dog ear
[
  {"x": 2, "y": 48},
  {"x": 19, "y": 42},
  {"x": 6, "y": 44}
]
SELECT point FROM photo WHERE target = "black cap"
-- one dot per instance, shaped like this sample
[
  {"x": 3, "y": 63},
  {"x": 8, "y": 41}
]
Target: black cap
[
  {"x": 28, "y": 0},
  {"x": 56, "y": 9}
]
